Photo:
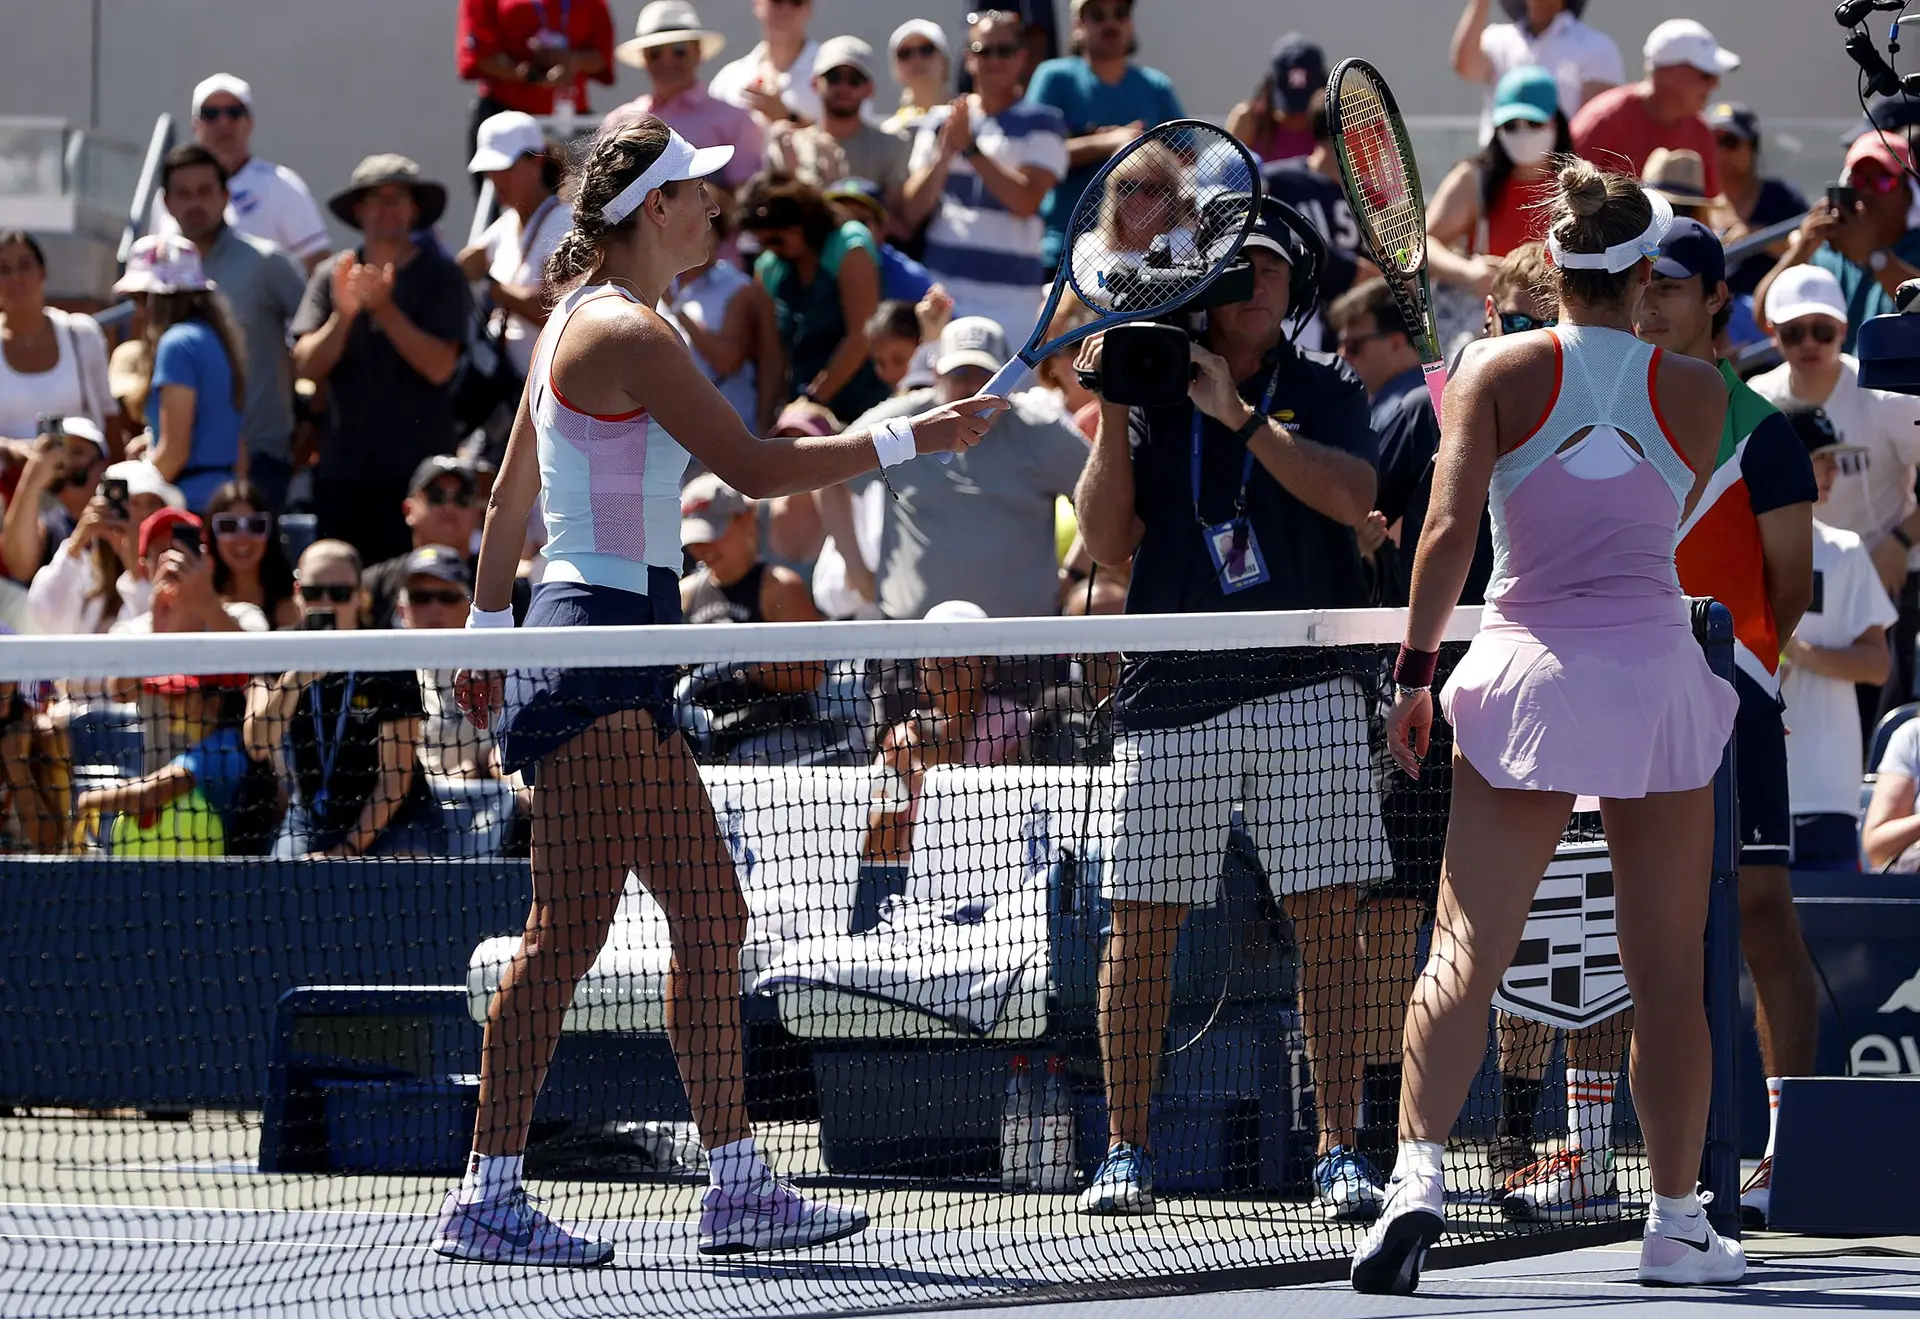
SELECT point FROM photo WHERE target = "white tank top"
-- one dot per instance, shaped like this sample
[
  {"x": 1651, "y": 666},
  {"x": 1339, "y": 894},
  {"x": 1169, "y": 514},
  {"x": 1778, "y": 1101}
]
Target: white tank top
[
  {"x": 706, "y": 300},
  {"x": 611, "y": 484},
  {"x": 57, "y": 392}
]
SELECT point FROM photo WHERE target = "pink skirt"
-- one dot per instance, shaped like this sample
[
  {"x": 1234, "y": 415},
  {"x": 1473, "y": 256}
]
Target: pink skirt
[{"x": 1619, "y": 713}]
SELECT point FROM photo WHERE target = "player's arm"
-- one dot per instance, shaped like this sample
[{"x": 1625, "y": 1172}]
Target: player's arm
[
  {"x": 1786, "y": 550},
  {"x": 1462, "y": 473}
]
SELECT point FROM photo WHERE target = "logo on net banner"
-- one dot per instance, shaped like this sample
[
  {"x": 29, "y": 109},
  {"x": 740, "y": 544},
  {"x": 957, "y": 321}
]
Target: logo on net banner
[
  {"x": 1567, "y": 971},
  {"x": 1889, "y": 1055}
]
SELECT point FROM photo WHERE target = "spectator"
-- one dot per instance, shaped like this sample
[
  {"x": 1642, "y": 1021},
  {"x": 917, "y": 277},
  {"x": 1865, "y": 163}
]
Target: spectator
[
  {"x": 346, "y": 743},
  {"x": 1545, "y": 34},
  {"x": 1311, "y": 184},
  {"x": 182, "y": 598},
  {"x": 440, "y": 509},
  {"x": 1898, "y": 115},
  {"x": 511, "y": 256},
  {"x": 263, "y": 199},
  {"x": 982, "y": 167},
  {"x": 901, "y": 277},
  {"x": 1277, "y": 124},
  {"x": 982, "y": 527},
  {"x": 1493, "y": 202},
  {"x": 61, "y": 473},
  {"x": 199, "y": 388},
  {"x": 527, "y": 55},
  {"x": 52, "y": 363},
  {"x": 1620, "y": 128},
  {"x": 843, "y": 80},
  {"x": 1871, "y": 250},
  {"x": 958, "y": 718},
  {"x": 923, "y": 66},
  {"x": 764, "y": 80},
  {"x": 382, "y": 326},
  {"x": 1841, "y": 642},
  {"x": 1755, "y": 202},
  {"x": 728, "y": 321},
  {"x": 35, "y": 776},
  {"x": 1275, "y": 505},
  {"x": 824, "y": 279},
  {"x": 1105, "y": 99},
  {"x": 893, "y": 337},
  {"x": 93, "y": 579},
  {"x": 1056, "y": 375},
  {"x": 671, "y": 44},
  {"x": 1891, "y": 836},
  {"x": 820, "y": 524},
  {"x": 248, "y": 565},
  {"x": 1680, "y": 177},
  {"x": 262, "y": 287}
]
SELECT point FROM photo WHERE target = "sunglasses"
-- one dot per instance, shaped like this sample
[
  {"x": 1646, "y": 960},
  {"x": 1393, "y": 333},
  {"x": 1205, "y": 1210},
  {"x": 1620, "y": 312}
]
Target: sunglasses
[
  {"x": 213, "y": 114},
  {"x": 1132, "y": 187},
  {"x": 1821, "y": 332},
  {"x": 1351, "y": 343},
  {"x": 1876, "y": 181},
  {"x": 1730, "y": 141},
  {"x": 680, "y": 50},
  {"x": 448, "y": 598},
  {"x": 924, "y": 52},
  {"x": 335, "y": 593},
  {"x": 1518, "y": 322},
  {"x": 438, "y": 495},
  {"x": 844, "y": 78},
  {"x": 793, "y": 4},
  {"x": 999, "y": 50},
  {"x": 242, "y": 524}
]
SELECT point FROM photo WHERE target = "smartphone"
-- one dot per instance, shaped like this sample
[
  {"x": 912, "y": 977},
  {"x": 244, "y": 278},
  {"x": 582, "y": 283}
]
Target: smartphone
[
  {"x": 187, "y": 540},
  {"x": 319, "y": 620},
  {"x": 115, "y": 493},
  {"x": 1842, "y": 198},
  {"x": 49, "y": 423}
]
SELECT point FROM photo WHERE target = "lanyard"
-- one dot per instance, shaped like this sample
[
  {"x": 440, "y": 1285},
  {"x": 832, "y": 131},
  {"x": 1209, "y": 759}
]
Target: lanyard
[
  {"x": 530, "y": 233},
  {"x": 1246, "y": 465},
  {"x": 328, "y": 757}
]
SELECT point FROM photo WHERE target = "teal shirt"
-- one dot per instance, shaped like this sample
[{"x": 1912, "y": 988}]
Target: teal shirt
[
  {"x": 811, "y": 322},
  {"x": 1865, "y": 298}
]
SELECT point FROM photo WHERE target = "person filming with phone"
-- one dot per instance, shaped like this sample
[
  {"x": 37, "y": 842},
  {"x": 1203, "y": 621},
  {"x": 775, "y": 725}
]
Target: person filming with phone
[{"x": 174, "y": 559}]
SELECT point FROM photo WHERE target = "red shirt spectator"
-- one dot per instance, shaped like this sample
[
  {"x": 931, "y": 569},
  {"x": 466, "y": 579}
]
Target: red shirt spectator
[
  {"x": 522, "y": 53},
  {"x": 1621, "y": 127}
]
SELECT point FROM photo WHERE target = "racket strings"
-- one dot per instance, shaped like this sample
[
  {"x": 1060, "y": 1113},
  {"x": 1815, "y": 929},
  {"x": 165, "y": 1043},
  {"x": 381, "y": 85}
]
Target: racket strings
[{"x": 1390, "y": 205}]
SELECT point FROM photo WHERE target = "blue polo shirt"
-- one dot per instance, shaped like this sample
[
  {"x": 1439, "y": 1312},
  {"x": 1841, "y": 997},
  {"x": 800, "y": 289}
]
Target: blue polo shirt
[
  {"x": 190, "y": 353},
  {"x": 1087, "y": 104},
  {"x": 1409, "y": 437},
  {"x": 1313, "y": 562}
]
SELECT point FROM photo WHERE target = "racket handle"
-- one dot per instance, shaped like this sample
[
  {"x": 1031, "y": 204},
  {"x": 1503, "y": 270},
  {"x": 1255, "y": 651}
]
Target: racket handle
[
  {"x": 1436, "y": 373},
  {"x": 1003, "y": 380}
]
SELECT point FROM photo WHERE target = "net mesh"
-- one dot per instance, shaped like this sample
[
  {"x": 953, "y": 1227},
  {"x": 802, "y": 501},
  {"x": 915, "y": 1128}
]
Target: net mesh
[
  {"x": 1379, "y": 171},
  {"x": 281, "y": 884}
]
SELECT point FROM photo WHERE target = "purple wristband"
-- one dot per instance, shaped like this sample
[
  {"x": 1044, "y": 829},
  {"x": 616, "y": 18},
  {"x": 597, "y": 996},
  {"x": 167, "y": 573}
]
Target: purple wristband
[{"x": 1415, "y": 668}]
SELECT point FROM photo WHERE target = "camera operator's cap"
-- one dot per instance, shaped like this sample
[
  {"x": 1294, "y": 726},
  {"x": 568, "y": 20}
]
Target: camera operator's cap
[
  {"x": 956, "y": 611},
  {"x": 1689, "y": 249},
  {"x": 1815, "y": 428},
  {"x": 1686, "y": 41},
  {"x": 1735, "y": 118},
  {"x": 381, "y": 170},
  {"x": 1299, "y": 70},
  {"x": 844, "y": 53},
  {"x": 863, "y": 193},
  {"x": 163, "y": 263},
  {"x": 82, "y": 428},
  {"x": 919, "y": 27},
  {"x": 238, "y": 88},
  {"x": 439, "y": 465},
  {"x": 503, "y": 139},
  {"x": 1805, "y": 291},
  {"x": 143, "y": 478},
  {"x": 668, "y": 23},
  {"x": 441, "y": 562},
  {"x": 1890, "y": 151},
  {"x": 708, "y": 507},
  {"x": 159, "y": 526},
  {"x": 971, "y": 341},
  {"x": 1528, "y": 93}
]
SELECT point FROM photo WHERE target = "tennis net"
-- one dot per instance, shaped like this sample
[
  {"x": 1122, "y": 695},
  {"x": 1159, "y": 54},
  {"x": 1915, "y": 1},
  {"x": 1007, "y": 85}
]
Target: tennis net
[{"x": 943, "y": 930}]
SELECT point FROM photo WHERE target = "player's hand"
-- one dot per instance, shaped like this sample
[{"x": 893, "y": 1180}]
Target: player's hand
[
  {"x": 956, "y": 427},
  {"x": 1410, "y": 730},
  {"x": 480, "y": 694}
]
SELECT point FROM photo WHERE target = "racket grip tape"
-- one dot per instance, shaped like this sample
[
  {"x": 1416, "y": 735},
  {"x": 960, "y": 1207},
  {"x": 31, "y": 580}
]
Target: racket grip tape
[
  {"x": 1436, "y": 373},
  {"x": 1003, "y": 381}
]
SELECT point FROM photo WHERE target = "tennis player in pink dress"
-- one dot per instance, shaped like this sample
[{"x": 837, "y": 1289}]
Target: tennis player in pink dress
[{"x": 1585, "y": 679}]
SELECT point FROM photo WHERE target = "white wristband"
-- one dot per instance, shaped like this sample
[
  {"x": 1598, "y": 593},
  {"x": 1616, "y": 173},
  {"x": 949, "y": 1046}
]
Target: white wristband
[
  {"x": 479, "y": 619},
  {"x": 893, "y": 441}
]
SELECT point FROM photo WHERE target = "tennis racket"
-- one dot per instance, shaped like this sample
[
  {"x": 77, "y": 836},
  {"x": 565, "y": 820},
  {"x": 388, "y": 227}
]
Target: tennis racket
[
  {"x": 1383, "y": 186},
  {"x": 1160, "y": 222}
]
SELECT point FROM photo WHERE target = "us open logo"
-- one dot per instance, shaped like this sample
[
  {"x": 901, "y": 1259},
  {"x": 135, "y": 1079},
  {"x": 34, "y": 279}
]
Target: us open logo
[{"x": 1567, "y": 971}]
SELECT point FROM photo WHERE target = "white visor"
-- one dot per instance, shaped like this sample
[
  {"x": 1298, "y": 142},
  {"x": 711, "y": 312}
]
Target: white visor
[
  {"x": 1621, "y": 256},
  {"x": 677, "y": 162}
]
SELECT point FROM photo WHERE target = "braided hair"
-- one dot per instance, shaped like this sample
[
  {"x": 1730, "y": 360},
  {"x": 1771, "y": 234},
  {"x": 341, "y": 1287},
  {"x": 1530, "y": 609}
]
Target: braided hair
[{"x": 620, "y": 153}]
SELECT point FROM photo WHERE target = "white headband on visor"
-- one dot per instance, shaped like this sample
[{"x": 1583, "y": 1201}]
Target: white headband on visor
[
  {"x": 1621, "y": 256},
  {"x": 677, "y": 162}
]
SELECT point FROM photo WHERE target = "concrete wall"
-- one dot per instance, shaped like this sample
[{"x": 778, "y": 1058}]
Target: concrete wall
[{"x": 336, "y": 79}]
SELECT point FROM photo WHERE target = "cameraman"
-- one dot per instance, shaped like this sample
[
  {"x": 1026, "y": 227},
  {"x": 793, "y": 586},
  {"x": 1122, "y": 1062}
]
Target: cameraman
[{"x": 1244, "y": 496}]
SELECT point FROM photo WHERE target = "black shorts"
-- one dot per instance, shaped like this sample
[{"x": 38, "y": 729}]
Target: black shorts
[{"x": 1760, "y": 773}]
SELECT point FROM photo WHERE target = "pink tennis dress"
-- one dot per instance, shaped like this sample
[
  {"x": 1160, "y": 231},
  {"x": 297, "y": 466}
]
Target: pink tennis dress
[{"x": 1585, "y": 676}]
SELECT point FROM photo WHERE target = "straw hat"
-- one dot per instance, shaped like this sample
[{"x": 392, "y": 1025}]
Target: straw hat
[
  {"x": 1679, "y": 176},
  {"x": 666, "y": 23}
]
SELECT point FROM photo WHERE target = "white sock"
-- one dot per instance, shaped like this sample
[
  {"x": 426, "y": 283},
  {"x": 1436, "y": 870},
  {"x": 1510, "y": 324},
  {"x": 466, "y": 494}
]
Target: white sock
[
  {"x": 490, "y": 1177},
  {"x": 737, "y": 1167},
  {"x": 1590, "y": 1111},
  {"x": 1675, "y": 1209},
  {"x": 1773, "y": 1112}
]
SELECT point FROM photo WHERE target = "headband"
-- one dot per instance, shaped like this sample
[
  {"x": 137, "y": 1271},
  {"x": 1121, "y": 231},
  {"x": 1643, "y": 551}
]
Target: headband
[
  {"x": 1621, "y": 256},
  {"x": 677, "y": 161}
]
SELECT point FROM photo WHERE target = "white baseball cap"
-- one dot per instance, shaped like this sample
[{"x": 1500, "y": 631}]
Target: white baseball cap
[
  {"x": 163, "y": 263},
  {"x": 238, "y": 88},
  {"x": 971, "y": 341},
  {"x": 143, "y": 478},
  {"x": 919, "y": 27},
  {"x": 1685, "y": 41},
  {"x": 82, "y": 428},
  {"x": 844, "y": 53},
  {"x": 955, "y": 611},
  {"x": 503, "y": 139},
  {"x": 1805, "y": 291}
]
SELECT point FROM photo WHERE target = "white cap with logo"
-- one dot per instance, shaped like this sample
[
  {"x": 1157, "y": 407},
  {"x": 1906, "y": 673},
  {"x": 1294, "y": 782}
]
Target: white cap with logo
[
  {"x": 1686, "y": 41},
  {"x": 503, "y": 139},
  {"x": 971, "y": 341},
  {"x": 1805, "y": 291},
  {"x": 238, "y": 88}
]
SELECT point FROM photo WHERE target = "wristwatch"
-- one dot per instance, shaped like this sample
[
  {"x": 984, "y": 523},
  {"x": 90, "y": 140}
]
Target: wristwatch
[
  {"x": 970, "y": 150},
  {"x": 1251, "y": 427}
]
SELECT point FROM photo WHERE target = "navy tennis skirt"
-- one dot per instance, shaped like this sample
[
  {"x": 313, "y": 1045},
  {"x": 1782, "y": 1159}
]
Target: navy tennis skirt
[{"x": 548, "y": 708}]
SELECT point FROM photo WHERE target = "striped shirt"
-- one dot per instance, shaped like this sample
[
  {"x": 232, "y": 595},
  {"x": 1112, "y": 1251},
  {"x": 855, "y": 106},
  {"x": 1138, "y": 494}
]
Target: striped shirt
[{"x": 974, "y": 238}]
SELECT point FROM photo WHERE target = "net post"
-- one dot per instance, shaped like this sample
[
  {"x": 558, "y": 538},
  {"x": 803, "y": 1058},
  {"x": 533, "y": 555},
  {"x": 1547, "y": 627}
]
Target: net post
[{"x": 1720, "y": 1158}]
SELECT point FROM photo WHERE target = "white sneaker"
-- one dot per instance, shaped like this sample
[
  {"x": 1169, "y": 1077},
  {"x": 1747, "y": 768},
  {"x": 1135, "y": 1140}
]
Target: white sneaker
[
  {"x": 1679, "y": 1252},
  {"x": 1756, "y": 1197},
  {"x": 772, "y": 1216},
  {"x": 1388, "y": 1262},
  {"x": 1570, "y": 1187}
]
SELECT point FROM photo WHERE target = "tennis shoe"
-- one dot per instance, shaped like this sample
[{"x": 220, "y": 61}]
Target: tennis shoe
[
  {"x": 511, "y": 1231},
  {"x": 772, "y": 1216},
  {"x": 1687, "y": 1252},
  {"x": 1505, "y": 1157},
  {"x": 1347, "y": 1187},
  {"x": 1757, "y": 1195},
  {"x": 1570, "y": 1187},
  {"x": 1388, "y": 1261},
  {"x": 1123, "y": 1185}
]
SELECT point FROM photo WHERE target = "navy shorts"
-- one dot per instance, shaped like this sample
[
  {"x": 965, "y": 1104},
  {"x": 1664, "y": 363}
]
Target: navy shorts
[
  {"x": 1828, "y": 841},
  {"x": 1766, "y": 818},
  {"x": 548, "y": 708}
]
